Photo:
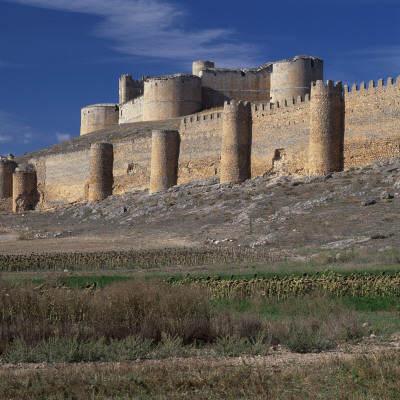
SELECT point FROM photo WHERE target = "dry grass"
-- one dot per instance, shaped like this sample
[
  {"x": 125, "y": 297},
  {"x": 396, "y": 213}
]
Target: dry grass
[
  {"x": 39, "y": 324},
  {"x": 364, "y": 377}
]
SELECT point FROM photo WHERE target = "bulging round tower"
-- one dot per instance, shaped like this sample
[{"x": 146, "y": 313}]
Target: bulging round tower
[
  {"x": 7, "y": 168},
  {"x": 326, "y": 128},
  {"x": 98, "y": 116},
  {"x": 171, "y": 96},
  {"x": 292, "y": 77},
  {"x": 199, "y": 65},
  {"x": 24, "y": 188},
  {"x": 235, "y": 152},
  {"x": 164, "y": 159},
  {"x": 101, "y": 171}
]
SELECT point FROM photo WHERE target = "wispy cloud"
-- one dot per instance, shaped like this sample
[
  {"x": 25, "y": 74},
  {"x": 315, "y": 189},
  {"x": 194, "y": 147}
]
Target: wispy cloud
[
  {"x": 14, "y": 130},
  {"x": 154, "y": 28},
  {"x": 61, "y": 137},
  {"x": 5, "y": 138}
]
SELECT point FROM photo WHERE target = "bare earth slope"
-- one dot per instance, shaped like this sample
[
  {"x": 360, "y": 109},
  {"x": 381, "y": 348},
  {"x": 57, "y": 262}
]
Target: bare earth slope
[{"x": 356, "y": 208}]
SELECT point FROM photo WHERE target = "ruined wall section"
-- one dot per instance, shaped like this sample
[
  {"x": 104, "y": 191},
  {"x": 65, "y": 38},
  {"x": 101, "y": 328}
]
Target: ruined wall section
[
  {"x": 220, "y": 85},
  {"x": 129, "y": 89},
  {"x": 200, "y": 147},
  {"x": 131, "y": 111},
  {"x": 197, "y": 66},
  {"x": 132, "y": 160},
  {"x": 24, "y": 189},
  {"x": 280, "y": 135},
  {"x": 372, "y": 122}
]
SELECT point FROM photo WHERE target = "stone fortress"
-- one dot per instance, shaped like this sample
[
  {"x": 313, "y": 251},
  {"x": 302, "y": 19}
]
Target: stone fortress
[{"x": 228, "y": 123}]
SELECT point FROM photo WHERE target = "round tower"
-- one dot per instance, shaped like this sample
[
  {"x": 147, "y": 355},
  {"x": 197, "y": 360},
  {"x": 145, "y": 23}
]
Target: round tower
[
  {"x": 235, "y": 153},
  {"x": 125, "y": 88},
  {"x": 98, "y": 116},
  {"x": 292, "y": 77},
  {"x": 164, "y": 159},
  {"x": 326, "y": 128},
  {"x": 24, "y": 188},
  {"x": 101, "y": 171},
  {"x": 7, "y": 168},
  {"x": 171, "y": 96},
  {"x": 197, "y": 66},
  {"x": 129, "y": 89}
]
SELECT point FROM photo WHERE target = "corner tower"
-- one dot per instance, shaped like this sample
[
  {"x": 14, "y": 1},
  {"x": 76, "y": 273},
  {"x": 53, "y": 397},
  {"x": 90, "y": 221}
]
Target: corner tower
[{"x": 292, "y": 77}]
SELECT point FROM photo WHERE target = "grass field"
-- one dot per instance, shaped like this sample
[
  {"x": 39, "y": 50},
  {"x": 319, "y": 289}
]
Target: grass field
[{"x": 256, "y": 309}]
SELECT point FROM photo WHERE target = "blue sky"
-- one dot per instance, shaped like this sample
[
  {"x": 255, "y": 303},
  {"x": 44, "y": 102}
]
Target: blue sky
[{"x": 57, "y": 56}]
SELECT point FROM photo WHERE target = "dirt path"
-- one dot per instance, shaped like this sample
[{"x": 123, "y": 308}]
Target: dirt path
[{"x": 276, "y": 359}]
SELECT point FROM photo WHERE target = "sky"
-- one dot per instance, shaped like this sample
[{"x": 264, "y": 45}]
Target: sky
[{"x": 57, "y": 56}]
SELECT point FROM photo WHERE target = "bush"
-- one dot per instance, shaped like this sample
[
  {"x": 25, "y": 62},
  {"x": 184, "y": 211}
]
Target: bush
[{"x": 303, "y": 339}]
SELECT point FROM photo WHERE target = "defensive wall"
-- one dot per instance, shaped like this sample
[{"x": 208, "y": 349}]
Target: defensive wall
[
  {"x": 327, "y": 129},
  {"x": 372, "y": 122}
]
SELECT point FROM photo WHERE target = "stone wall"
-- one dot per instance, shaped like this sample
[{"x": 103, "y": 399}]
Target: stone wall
[
  {"x": 200, "y": 147},
  {"x": 280, "y": 134},
  {"x": 220, "y": 85},
  {"x": 132, "y": 165},
  {"x": 372, "y": 122},
  {"x": 131, "y": 111},
  {"x": 63, "y": 178}
]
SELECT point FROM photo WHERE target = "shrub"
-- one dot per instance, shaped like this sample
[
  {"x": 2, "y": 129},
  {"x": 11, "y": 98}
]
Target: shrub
[{"x": 305, "y": 339}]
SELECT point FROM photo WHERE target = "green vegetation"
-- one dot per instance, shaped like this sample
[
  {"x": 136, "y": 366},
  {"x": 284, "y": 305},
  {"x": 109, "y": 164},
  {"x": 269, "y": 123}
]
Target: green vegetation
[
  {"x": 106, "y": 312},
  {"x": 135, "y": 259},
  {"x": 328, "y": 283}
]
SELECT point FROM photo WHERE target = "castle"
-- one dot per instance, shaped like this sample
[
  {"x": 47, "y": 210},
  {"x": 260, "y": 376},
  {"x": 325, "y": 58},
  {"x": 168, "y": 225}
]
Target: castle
[{"x": 228, "y": 123}]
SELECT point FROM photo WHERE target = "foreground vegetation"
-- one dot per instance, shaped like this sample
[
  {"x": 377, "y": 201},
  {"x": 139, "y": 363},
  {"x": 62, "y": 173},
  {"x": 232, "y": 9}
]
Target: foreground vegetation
[
  {"x": 151, "y": 319},
  {"x": 364, "y": 377},
  {"x": 112, "y": 320}
]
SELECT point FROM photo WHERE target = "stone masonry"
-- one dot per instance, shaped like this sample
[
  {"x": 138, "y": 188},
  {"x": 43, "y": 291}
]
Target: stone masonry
[{"x": 232, "y": 124}]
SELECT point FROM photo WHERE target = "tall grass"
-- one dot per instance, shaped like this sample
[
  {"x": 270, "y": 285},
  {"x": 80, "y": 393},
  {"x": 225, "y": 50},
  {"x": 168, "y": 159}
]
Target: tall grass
[{"x": 151, "y": 319}]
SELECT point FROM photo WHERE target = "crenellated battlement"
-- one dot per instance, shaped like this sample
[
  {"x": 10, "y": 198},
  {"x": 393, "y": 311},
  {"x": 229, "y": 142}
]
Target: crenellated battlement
[
  {"x": 285, "y": 105},
  {"x": 201, "y": 118},
  {"x": 328, "y": 86},
  {"x": 372, "y": 86}
]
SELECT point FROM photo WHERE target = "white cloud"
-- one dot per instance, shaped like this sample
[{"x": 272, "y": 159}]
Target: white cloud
[
  {"x": 13, "y": 129},
  {"x": 153, "y": 28},
  {"x": 62, "y": 137},
  {"x": 5, "y": 138}
]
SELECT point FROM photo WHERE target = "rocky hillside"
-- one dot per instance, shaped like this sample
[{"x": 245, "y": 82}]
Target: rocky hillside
[{"x": 353, "y": 209}]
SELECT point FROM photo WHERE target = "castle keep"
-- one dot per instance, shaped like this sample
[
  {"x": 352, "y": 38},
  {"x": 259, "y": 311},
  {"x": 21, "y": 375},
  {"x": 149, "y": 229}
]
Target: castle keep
[{"x": 228, "y": 123}]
